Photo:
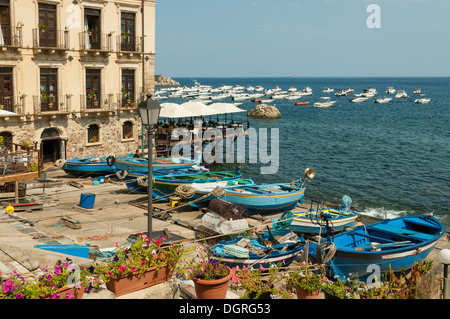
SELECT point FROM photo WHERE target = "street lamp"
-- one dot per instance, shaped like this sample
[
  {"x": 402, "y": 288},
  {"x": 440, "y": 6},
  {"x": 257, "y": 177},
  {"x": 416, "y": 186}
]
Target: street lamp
[
  {"x": 444, "y": 257},
  {"x": 149, "y": 113}
]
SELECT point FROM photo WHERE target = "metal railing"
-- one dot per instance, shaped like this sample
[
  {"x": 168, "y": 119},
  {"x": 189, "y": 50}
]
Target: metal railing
[
  {"x": 128, "y": 100},
  {"x": 96, "y": 102},
  {"x": 11, "y": 36},
  {"x": 50, "y": 104},
  {"x": 50, "y": 38},
  {"x": 95, "y": 41},
  {"x": 128, "y": 43},
  {"x": 13, "y": 104}
]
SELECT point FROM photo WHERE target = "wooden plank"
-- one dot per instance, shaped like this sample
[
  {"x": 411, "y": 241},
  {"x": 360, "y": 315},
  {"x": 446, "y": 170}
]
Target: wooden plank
[{"x": 18, "y": 177}]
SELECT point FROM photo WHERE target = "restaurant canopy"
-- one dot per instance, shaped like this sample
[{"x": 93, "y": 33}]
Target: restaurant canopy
[{"x": 196, "y": 109}]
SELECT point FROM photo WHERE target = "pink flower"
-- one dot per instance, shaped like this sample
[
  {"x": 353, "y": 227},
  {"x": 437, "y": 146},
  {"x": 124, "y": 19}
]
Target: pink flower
[
  {"x": 57, "y": 270},
  {"x": 8, "y": 286},
  {"x": 157, "y": 243},
  {"x": 153, "y": 252},
  {"x": 20, "y": 296},
  {"x": 55, "y": 296},
  {"x": 161, "y": 238},
  {"x": 122, "y": 268},
  {"x": 69, "y": 295},
  {"x": 116, "y": 245},
  {"x": 142, "y": 262},
  {"x": 133, "y": 269},
  {"x": 261, "y": 268}
]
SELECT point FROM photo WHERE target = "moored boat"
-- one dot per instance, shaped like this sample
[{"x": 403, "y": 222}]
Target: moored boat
[
  {"x": 358, "y": 99},
  {"x": 88, "y": 166},
  {"x": 121, "y": 163},
  {"x": 401, "y": 94},
  {"x": 325, "y": 103},
  {"x": 301, "y": 103},
  {"x": 383, "y": 100},
  {"x": 422, "y": 100},
  {"x": 376, "y": 248}
]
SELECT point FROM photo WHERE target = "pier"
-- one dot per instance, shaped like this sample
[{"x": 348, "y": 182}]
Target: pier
[{"x": 115, "y": 216}]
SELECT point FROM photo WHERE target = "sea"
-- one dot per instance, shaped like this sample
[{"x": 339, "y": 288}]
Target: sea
[{"x": 392, "y": 159}]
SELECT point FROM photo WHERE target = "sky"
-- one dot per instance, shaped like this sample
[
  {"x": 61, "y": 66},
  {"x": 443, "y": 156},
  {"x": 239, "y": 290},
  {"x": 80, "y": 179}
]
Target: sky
[{"x": 302, "y": 38}]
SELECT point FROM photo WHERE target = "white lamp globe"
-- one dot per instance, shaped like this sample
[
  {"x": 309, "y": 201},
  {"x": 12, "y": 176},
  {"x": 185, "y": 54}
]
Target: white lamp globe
[{"x": 444, "y": 256}]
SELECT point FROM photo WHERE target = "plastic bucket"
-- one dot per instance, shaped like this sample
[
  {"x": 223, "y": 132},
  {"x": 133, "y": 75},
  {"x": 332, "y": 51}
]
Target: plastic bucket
[
  {"x": 101, "y": 179},
  {"x": 87, "y": 200}
]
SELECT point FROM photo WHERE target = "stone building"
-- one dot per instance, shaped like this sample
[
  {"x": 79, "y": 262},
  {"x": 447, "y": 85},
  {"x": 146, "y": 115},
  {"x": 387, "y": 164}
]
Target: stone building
[{"x": 72, "y": 73}]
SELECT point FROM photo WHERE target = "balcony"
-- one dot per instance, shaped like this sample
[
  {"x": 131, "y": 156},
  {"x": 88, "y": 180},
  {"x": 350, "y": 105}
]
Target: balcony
[
  {"x": 129, "y": 45},
  {"x": 95, "y": 43},
  {"x": 51, "y": 105},
  {"x": 50, "y": 41},
  {"x": 14, "y": 104},
  {"x": 10, "y": 38},
  {"x": 96, "y": 103},
  {"x": 128, "y": 101}
]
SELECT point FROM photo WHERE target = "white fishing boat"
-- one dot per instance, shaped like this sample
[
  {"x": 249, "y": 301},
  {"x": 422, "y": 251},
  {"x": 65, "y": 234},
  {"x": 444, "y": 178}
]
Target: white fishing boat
[
  {"x": 422, "y": 100},
  {"x": 358, "y": 99},
  {"x": 417, "y": 91},
  {"x": 349, "y": 90},
  {"x": 306, "y": 91},
  {"x": 266, "y": 100},
  {"x": 383, "y": 100},
  {"x": 325, "y": 103},
  {"x": 327, "y": 90},
  {"x": 390, "y": 90},
  {"x": 369, "y": 92},
  {"x": 401, "y": 94},
  {"x": 340, "y": 93},
  {"x": 291, "y": 97}
]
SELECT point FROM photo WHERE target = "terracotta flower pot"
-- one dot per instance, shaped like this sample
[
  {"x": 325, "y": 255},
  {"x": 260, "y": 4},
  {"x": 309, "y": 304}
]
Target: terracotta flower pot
[
  {"x": 212, "y": 289},
  {"x": 76, "y": 291},
  {"x": 136, "y": 281},
  {"x": 307, "y": 294}
]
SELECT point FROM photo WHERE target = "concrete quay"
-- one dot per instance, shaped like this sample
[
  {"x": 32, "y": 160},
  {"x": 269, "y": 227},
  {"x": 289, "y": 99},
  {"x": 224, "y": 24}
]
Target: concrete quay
[{"x": 112, "y": 220}]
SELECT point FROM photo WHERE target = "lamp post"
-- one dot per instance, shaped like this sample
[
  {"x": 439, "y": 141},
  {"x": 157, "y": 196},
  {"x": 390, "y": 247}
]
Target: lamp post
[
  {"x": 444, "y": 257},
  {"x": 149, "y": 113}
]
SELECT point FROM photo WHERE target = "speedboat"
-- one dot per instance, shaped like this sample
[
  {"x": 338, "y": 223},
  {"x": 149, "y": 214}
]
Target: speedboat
[
  {"x": 422, "y": 100},
  {"x": 349, "y": 90},
  {"x": 340, "y": 93},
  {"x": 417, "y": 91},
  {"x": 327, "y": 90},
  {"x": 401, "y": 94},
  {"x": 383, "y": 100},
  {"x": 306, "y": 91},
  {"x": 390, "y": 90},
  {"x": 358, "y": 99},
  {"x": 369, "y": 92},
  {"x": 325, "y": 103}
]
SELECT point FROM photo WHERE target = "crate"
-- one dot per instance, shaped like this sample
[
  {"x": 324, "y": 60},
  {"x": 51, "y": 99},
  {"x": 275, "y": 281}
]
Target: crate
[{"x": 236, "y": 251}]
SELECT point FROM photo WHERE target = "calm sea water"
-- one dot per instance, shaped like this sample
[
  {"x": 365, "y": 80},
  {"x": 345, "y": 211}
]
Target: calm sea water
[{"x": 392, "y": 159}]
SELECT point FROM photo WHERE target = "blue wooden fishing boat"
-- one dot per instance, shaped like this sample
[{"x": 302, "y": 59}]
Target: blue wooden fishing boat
[
  {"x": 164, "y": 186},
  {"x": 122, "y": 163},
  {"x": 258, "y": 252},
  {"x": 88, "y": 166},
  {"x": 374, "y": 249},
  {"x": 339, "y": 218}
]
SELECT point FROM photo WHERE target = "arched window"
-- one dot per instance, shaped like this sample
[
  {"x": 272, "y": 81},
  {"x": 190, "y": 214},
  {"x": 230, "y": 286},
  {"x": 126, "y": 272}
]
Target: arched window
[
  {"x": 7, "y": 139},
  {"x": 127, "y": 130},
  {"x": 93, "y": 133}
]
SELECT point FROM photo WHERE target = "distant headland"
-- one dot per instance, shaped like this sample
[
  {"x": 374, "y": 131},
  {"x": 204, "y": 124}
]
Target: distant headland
[{"x": 165, "y": 81}]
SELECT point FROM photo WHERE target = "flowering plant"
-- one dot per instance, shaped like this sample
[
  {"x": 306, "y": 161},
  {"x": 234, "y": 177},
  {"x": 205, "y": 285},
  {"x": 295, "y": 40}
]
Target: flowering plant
[
  {"x": 140, "y": 256},
  {"x": 64, "y": 273},
  {"x": 347, "y": 289},
  {"x": 202, "y": 265},
  {"x": 304, "y": 278},
  {"x": 257, "y": 283}
]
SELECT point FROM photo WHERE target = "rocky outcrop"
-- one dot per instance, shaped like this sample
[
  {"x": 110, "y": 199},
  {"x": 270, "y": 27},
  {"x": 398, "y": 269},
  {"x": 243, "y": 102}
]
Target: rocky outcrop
[
  {"x": 165, "y": 81},
  {"x": 264, "y": 111}
]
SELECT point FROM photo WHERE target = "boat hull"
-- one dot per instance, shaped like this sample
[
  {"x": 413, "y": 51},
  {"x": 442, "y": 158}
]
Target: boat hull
[
  {"x": 303, "y": 223},
  {"x": 376, "y": 248},
  {"x": 141, "y": 164}
]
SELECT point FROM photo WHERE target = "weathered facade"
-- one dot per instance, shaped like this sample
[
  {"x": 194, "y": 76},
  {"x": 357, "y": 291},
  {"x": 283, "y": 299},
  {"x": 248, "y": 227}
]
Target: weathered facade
[{"x": 73, "y": 72}]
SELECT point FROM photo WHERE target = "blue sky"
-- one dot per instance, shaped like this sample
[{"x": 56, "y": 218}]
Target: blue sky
[{"x": 305, "y": 38}]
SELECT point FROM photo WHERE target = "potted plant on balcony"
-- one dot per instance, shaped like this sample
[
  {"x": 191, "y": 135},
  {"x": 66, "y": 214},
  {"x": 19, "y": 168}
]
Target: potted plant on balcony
[
  {"x": 43, "y": 27},
  {"x": 141, "y": 265}
]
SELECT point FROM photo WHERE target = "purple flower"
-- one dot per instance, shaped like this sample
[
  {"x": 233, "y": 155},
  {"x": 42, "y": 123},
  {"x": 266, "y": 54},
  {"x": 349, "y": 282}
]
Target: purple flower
[
  {"x": 8, "y": 286},
  {"x": 55, "y": 296},
  {"x": 57, "y": 270},
  {"x": 68, "y": 295}
]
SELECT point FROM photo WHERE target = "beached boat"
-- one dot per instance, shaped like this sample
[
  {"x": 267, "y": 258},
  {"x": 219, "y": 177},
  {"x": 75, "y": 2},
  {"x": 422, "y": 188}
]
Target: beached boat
[
  {"x": 325, "y": 103},
  {"x": 310, "y": 223},
  {"x": 301, "y": 103},
  {"x": 389, "y": 244},
  {"x": 263, "y": 251},
  {"x": 88, "y": 166},
  {"x": 122, "y": 163},
  {"x": 383, "y": 100}
]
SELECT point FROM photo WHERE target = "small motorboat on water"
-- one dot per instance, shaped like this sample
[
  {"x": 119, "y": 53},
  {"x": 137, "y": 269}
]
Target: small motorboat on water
[
  {"x": 390, "y": 90},
  {"x": 266, "y": 100},
  {"x": 383, "y": 100},
  {"x": 358, "y": 99},
  {"x": 340, "y": 93},
  {"x": 325, "y": 103},
  {"x": 417, "y": 91},
  {"x": 327, "y": 90},
  {"x": 422, "y": 100},
  {"x": 301, "y": 103},
  {"x": 401, "y": 94}
]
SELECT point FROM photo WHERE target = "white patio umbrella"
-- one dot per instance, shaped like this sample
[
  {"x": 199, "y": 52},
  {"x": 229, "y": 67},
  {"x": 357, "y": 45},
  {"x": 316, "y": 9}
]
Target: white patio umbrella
[
  {"x": 199, "y": 108},
  {"x": 173, "y": 110},
  {"x": 226, "y": 108}
]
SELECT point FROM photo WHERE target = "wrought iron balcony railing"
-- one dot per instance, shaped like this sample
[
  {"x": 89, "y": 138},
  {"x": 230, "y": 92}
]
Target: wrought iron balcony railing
[
  {"x": 95, "y": 41},
  {"x": 50, "y": 104},
  {"x": 50, "y": 38},
  {"x": 96, "y": 102},
  {"x": 11, "y": 36}
]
